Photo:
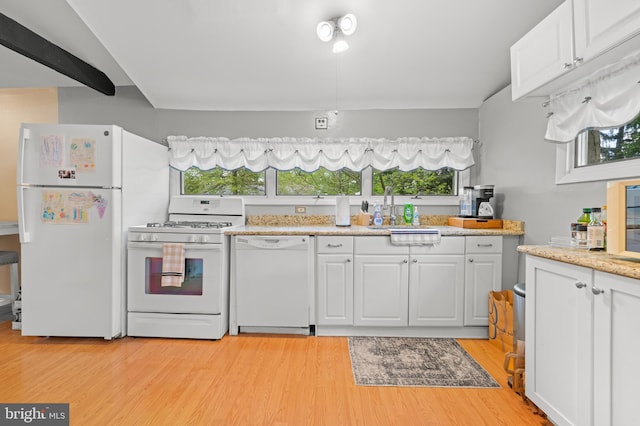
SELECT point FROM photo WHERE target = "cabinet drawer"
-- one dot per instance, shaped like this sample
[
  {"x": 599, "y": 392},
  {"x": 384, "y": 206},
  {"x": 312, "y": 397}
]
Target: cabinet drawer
[
  {"x": 334, "y": 244},
  {"x": 484, "y": 244},
  {"x": 448, "y": 245},
  {"x": 378, "y": 245}
]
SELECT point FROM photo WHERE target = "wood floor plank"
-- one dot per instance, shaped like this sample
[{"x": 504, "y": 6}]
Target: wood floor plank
[{"x": 238, "y": 380}]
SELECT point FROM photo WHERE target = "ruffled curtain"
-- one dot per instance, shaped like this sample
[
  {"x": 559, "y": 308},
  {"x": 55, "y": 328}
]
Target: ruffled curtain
[
  {"x": 608, "y": 98},
  {"x": 309, "y": 154}
]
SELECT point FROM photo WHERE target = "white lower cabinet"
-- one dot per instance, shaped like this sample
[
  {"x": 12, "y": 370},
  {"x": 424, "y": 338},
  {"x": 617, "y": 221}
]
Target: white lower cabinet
[
  {"x": 483, "y": 273},
  {"x": 436, "y": 284},
  {"x": 582, "y": 343},
  {"x": 381, "y": 289},
  {"x": 367, "y": 281},
  {"x": 403, "y": 286},
  {"x": 334, "y": 280},
  {"x": 616, "y": 345}
]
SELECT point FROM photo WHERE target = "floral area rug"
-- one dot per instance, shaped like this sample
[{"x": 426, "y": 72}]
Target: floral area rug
[{"x": 411, "y": 361}]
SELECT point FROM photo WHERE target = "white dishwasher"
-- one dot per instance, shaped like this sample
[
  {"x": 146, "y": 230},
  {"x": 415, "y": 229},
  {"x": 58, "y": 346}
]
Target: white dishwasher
[{"x": 271, "y": 284}]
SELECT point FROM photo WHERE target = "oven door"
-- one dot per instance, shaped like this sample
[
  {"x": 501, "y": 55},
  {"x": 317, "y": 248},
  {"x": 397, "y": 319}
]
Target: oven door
[{"x": 203, "y": 291}]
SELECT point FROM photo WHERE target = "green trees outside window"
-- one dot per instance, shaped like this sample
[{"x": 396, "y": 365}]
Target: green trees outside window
[
  {"x": 320, "y": 182},
  {"x": 611, "y": 144},
  {"x": 420, "y": 181},
  {"x": 223, "y": 182}
]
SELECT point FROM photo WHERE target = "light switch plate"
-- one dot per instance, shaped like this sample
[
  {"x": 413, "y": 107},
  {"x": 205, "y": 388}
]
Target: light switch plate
[{"x": 301, "y": 209}]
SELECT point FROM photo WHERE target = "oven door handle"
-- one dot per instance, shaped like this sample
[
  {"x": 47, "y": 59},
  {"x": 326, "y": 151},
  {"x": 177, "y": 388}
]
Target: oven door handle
[{"x": 158, "y": 245}]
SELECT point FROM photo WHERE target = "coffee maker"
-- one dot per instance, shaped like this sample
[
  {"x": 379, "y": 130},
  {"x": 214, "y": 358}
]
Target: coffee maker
[{"x": 483, "y": 202}]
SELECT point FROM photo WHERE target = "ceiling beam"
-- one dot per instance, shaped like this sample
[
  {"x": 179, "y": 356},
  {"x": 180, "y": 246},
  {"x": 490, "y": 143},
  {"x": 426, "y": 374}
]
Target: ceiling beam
[{"x": 24, "y": 41}]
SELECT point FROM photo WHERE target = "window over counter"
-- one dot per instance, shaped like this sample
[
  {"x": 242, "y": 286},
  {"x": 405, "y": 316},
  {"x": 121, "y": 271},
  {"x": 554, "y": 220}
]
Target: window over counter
[
  {"x": 416, "y": 182},
  {"x": 282, "y": 170},
  {"x": 436, "y": 187},
  {"x": 601, "y": 146},
  {"x": 320, "y": 182},
  {"x": 601, "y": 154}
]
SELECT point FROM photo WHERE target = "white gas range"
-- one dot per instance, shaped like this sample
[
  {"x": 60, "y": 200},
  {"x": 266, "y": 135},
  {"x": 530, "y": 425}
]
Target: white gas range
[{"x": 197, "y": 304}]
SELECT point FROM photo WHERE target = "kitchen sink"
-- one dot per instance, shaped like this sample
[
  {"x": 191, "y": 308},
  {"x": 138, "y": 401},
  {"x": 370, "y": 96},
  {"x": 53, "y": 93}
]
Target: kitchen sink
[{"x": 411, "y": 235}]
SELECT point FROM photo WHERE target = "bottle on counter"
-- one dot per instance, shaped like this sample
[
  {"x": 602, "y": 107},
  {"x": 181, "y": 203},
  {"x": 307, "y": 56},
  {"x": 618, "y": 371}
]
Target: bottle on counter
[
  {"x": 585, "y": 218},
  {"x": 377, "y": 215},
  {"x": 408, "y": 213},
  {"x": 416, "y": 216},
  {"x": 579, "y": 229},
  {"x": 595, "y": 231}
]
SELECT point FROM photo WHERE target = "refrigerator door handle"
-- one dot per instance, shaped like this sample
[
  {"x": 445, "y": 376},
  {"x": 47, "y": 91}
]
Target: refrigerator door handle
[
  {"x": 25, "y": 237},
  {"x": 26, "y": 134}
]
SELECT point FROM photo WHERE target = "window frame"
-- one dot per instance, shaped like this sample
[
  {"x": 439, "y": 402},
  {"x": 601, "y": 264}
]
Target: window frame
[
  {"x": 463, "y": 179},
  {"x": 567, "y": 172}
]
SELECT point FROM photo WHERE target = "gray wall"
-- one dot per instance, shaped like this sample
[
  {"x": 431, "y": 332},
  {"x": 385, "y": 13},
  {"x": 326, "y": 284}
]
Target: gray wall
[
  {"x": 130, "y": 110},
  {"x": 514, "y": 156}
]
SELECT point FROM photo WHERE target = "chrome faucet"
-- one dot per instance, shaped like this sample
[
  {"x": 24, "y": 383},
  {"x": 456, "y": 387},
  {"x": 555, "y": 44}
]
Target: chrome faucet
[{"x": 385, "y": 207}]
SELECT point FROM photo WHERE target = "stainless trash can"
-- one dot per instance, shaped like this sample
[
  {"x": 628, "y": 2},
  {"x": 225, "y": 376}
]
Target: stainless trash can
[{"x": 519, "y": 291}]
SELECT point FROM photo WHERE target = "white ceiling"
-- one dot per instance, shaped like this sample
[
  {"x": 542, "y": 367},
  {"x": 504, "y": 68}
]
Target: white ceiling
[{"x": 265, "y": 55}]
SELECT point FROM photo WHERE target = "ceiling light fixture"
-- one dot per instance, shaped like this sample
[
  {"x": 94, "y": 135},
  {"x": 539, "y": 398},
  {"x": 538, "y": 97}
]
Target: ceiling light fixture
[{"x": 335, "y": 29}]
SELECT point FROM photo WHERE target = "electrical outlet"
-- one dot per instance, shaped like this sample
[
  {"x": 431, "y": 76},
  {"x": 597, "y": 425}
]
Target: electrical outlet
[
  {"x": 301, "y": 209},
  {"x": 322, "y": 123}
]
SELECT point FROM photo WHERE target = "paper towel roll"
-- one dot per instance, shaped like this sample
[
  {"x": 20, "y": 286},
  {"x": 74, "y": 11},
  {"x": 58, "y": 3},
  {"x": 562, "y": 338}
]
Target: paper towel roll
[{"x": 343, "y": 216}]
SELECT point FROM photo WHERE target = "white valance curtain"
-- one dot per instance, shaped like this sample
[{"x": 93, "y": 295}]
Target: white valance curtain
[
  {"x": 608, "y": 98},
  {"x": 309, "y": 154}
]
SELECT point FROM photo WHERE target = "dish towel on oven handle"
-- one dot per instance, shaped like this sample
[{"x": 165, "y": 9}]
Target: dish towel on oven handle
[{"x": 172, "y": 265}]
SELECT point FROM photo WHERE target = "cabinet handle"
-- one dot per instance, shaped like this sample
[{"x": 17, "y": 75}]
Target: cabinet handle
[
  {"x": 334, "y": 245},
  {"x": 405, "y": 261},
  {"x": 568, "y": 65},
  {"x": 597, "y": 291},
  {"x": 485, "y": 245},
  {"x": 580, "y": 284},
  {"x": 470, "y": 260},
  {"x": 348, "y": 260},
  {"x": 577, "y": 61},
  {"x": 415, "y": 260}
]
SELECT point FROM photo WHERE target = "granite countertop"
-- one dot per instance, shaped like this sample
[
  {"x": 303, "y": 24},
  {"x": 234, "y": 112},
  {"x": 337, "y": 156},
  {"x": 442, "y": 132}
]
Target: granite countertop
[
  {"x": 320, "y": 225},
  {"x": 597, "y": 260}
]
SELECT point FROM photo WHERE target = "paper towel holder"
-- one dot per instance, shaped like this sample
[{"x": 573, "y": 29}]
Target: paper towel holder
[{"x": 343, "y": 214}]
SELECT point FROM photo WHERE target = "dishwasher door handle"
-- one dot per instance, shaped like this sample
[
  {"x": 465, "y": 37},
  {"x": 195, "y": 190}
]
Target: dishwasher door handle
[{"x": 265, "y": 243}]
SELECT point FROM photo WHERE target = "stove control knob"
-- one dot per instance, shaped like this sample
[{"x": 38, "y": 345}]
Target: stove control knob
[
  {"x": 192, "y": 238},
  {"x": 204, "y": 239},
  {"x": 154, "y": 237},
  {"x": 142, "y": 237}
]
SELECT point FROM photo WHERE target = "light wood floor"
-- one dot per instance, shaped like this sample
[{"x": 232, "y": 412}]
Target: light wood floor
[{"x": 238, "y": 380}]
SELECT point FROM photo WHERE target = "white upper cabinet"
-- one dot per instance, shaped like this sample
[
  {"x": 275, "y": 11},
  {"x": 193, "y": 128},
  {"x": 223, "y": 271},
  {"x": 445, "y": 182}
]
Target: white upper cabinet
[
  {"x": 575, "y": 40},
  {"x": 602, "y": 24},
  {"x": 544, "y": 53}
]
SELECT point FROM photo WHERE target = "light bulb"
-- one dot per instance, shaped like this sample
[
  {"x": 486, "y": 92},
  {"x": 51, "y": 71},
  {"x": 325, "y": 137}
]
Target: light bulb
[
  {"x": 340, "y": 46},
  {"x": 348, "y": 24},
  {"x": 325, "y": 30}
]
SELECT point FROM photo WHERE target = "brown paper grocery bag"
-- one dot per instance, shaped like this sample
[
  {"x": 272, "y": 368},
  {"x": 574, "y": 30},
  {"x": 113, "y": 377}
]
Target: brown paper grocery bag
[{"x": 501, "y": 319}]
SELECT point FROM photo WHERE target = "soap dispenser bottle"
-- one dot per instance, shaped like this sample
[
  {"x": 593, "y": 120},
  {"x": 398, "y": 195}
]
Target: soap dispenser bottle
[
  {"x": 416, "y": 216},
  {"x": 377, "y": 215}
]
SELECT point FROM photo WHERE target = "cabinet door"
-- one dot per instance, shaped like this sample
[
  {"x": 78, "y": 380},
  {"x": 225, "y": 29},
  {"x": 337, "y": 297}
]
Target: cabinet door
[
  {"x": 603, "y": 24},
  {"x": 335, "y": 289},
  {"x": 381, "y": 290},
  {"x": 544, "y": 53},
  {"x": 436, "y": 288},
  {"x": 559, "y": 343},
  {"x": 616, "y": 346},
  {"x": 483, "y": 273}
]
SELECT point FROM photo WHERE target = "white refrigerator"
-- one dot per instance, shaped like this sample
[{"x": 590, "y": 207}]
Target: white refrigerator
[{"x": 79, "y": 188}]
